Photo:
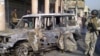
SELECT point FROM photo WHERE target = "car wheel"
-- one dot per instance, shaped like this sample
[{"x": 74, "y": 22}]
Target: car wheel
[{"x": 23, "y": 50}]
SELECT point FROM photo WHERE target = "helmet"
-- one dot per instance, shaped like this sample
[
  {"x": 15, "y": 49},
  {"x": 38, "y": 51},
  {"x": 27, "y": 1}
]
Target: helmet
[{"x": 94, "y": 12}]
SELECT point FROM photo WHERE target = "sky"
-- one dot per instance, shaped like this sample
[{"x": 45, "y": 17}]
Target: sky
[{"x": 93, "y": 4}]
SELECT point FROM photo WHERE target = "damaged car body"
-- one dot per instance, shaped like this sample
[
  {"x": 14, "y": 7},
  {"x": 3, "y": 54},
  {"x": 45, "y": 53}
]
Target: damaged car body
[{"x": 38, "y": 33}]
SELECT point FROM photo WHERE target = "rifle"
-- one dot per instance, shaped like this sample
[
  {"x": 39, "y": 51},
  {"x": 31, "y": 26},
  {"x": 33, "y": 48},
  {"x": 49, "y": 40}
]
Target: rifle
[{"x": 92, "y": 28}]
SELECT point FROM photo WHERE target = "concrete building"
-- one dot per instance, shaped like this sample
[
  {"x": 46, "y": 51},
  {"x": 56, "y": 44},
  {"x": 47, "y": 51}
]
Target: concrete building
[
  {"x": 36, "y": 6},
  {"x": 79, "y": 3}
]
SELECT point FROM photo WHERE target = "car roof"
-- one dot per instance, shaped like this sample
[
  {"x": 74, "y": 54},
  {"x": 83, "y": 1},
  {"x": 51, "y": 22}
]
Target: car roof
[{"x": 48, "y": 15}]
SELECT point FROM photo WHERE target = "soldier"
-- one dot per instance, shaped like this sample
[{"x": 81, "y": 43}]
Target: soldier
[{"x": 91, "y": 34}]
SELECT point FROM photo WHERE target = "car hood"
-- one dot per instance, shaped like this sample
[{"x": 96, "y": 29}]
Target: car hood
[{"x": 10, "y": 32}]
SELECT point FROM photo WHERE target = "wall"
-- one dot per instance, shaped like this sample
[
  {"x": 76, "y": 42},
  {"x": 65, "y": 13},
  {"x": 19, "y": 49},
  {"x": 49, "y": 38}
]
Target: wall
[{"x": 20, "y": 6}]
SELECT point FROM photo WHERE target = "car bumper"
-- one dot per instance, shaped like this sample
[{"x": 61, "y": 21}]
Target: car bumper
[{"x": 3, "y": 49}]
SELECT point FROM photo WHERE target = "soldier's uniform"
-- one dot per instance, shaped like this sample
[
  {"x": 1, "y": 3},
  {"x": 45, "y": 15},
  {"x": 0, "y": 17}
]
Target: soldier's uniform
[{"x": 91, "y": 35}]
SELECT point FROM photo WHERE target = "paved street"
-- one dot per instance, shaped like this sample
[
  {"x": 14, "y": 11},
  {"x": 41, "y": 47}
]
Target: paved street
[{"x": 79, "y": 52}]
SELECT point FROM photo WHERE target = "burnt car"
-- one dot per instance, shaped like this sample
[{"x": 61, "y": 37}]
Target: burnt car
[{"x": 36, "y": 33}]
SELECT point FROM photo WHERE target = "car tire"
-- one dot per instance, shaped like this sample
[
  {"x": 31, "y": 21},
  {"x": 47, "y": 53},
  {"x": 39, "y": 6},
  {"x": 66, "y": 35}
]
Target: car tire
[{"x": 23, "y": 50}]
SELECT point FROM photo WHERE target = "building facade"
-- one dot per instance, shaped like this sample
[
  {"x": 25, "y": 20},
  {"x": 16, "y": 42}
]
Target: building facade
[
  {"x": 80, "y": 4},
  {"x": 35, "y": 6}
]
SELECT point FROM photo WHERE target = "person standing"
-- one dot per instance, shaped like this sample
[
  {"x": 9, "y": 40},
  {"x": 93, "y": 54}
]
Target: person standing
[
  {"x": 91, "y": 34},
  {"x": 14, "y": 18},
  {"x": 83, "y": 21}
]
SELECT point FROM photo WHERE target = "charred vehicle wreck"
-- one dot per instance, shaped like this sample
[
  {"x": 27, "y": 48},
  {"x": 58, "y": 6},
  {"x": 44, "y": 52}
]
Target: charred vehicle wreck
[{"x": 38, "y": 33}]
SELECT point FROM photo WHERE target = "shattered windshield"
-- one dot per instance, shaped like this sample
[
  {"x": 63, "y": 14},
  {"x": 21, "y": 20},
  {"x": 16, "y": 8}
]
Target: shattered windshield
[
  {"x": 26, "y": 22},
  {"x": 36, "y": 22}
]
